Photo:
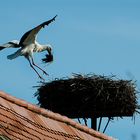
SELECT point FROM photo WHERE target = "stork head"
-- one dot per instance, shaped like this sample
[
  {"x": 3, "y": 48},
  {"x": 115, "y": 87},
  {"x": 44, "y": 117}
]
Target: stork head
[{"x": 49, "y": 55}]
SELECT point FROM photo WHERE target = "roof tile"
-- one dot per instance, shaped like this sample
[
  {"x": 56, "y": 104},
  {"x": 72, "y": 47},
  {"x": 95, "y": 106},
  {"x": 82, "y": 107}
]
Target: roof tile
[{"x": 20, "y": 120}]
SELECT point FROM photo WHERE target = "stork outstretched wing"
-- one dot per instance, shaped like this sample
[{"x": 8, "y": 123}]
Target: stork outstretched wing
[
  {"x": 30, "y": 36},
  {"x": 10, "y": 44}
]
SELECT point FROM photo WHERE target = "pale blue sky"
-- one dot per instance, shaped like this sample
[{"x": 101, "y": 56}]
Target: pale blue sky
[{"x": 88, "y": 36}]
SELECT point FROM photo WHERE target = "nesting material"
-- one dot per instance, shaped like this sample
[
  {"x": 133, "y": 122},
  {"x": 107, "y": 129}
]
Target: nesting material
[
  {"x": 48, "y": 58},
  {"x": 87, "y": 96}
]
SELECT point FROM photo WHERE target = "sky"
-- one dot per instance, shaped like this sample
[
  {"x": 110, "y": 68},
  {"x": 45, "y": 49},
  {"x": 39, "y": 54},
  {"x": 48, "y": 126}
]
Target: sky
[{"x": 88, "y": 36}]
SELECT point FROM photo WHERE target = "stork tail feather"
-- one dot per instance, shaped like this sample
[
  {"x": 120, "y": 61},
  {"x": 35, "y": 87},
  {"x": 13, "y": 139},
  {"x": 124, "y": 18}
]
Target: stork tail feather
[{"x": 14, "y": 55}]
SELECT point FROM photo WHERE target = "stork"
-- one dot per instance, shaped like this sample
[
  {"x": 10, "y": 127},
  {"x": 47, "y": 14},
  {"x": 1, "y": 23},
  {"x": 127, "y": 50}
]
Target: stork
[{"x": 28, "y": 45}]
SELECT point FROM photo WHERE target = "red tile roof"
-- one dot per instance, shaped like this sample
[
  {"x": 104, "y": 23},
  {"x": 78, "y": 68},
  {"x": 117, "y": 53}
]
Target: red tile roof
[{"x": 20, "y": 120}]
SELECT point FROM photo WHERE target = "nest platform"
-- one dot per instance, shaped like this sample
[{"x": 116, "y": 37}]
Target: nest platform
[{"x": 87, "y": 96}]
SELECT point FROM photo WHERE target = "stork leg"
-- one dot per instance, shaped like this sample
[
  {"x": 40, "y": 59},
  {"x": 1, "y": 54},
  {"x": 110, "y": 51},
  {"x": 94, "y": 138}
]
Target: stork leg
[
  {"x": 44, "y": 72},
  {"x": 35, "y": 69}
]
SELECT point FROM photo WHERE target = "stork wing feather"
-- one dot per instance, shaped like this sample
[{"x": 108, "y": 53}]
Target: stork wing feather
[
  {"x": 30, "y": 36},
  {"x": 10, "y": 44}
]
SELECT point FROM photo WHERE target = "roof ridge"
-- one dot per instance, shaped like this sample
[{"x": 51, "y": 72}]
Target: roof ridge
[{"x": 52, "y": 115}]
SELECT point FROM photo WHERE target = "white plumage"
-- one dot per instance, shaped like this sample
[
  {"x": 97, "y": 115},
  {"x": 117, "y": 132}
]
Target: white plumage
[{"x": 28, "y": 45}]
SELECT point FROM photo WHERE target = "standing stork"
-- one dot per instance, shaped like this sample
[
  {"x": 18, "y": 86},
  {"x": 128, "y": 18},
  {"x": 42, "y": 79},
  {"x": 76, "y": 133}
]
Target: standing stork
[{"x": 28, "y": 45}]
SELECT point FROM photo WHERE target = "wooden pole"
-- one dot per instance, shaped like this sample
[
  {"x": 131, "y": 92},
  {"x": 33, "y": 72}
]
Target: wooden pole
[{"x": 94, "y": 123}]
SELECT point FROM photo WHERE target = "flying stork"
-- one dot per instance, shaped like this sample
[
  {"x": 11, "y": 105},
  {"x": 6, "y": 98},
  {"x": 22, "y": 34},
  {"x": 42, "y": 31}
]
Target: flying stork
[{"x": 28, "y": 45}]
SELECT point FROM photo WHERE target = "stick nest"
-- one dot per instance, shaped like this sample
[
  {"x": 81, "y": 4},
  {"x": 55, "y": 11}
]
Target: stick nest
[{"x": 85, "y": 96}]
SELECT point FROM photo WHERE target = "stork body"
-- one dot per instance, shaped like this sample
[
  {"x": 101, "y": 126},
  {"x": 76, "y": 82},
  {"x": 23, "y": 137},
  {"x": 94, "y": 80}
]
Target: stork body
[{"x": 28, "y": 45}]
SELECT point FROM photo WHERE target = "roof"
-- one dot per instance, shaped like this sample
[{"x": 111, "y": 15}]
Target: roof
[{"x": 20, "y": 120}]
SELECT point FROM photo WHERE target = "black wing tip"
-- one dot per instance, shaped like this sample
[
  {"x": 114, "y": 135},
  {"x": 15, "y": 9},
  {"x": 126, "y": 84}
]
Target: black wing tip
[
  {"x": 48, "y": 22},
  {"x": 54, "y": 17}
]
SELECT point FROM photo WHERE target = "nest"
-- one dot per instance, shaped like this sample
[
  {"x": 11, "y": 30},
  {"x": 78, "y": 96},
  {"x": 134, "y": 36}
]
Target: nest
[{"x": 85, "y": 96}]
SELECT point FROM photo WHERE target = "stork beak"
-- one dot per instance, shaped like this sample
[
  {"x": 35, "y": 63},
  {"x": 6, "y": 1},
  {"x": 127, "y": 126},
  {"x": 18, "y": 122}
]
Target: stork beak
[{"x": 49, "y": 51}]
